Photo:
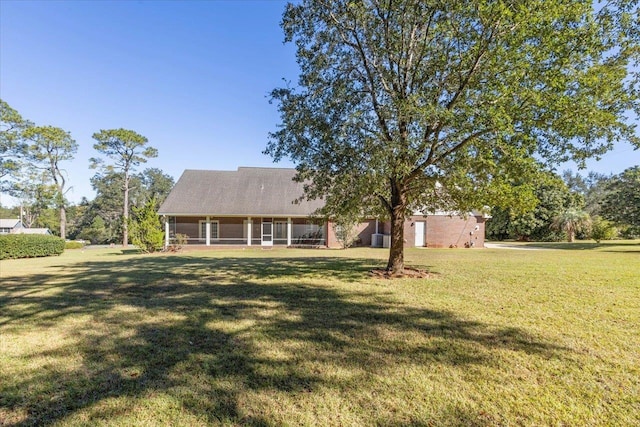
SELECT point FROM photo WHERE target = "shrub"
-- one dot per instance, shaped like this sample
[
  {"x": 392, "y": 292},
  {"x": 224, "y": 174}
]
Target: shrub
[
  {"x": 629, "y": 232},
  {"x": 345, "y": 228},
  {"x": 96, "y": 233},
  {"x": 572, "y": 221},
  {"x": 601, "y": 229},
  {"x": 178, "y": 242},
  {"x": 73, "y": 245},
  {"x": 145, "y": 227},
  {"x": 29, "y": 246}
]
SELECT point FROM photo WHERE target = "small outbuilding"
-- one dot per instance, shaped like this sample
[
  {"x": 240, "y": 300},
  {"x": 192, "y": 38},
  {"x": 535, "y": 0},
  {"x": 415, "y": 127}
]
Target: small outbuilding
[
  {"x": 15, "y": 226},
  {"x": 10, "y": 226}
]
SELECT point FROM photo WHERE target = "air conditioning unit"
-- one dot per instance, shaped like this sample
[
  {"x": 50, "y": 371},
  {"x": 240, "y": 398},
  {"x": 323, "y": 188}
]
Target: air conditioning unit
[
  {"x": 376, "y": 240},
  {"x": 386, "y": 241}
]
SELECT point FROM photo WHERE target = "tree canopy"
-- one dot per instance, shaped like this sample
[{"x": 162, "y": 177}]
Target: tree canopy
[
  {"x": 554, "y": 198},
  {"x": 622, "y": 202},
  {"x": 425, "y": 105},
  {"x": 12, "y": 146}
]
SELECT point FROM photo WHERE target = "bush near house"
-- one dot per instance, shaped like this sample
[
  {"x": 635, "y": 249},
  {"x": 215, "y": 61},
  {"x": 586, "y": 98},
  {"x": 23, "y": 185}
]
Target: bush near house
[
  {"x": 74, "y": 244},
  {"x": 30, "y": 246},
  {"x": 601, "y": 229},
  {"x": 145, "y": 227}
]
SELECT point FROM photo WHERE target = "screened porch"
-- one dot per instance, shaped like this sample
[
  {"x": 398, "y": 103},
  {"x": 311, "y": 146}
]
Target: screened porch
[{"x": 245, "y": 231}]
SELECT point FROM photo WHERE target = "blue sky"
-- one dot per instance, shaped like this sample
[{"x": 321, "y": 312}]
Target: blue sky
[{"x": 193, "y": 77}]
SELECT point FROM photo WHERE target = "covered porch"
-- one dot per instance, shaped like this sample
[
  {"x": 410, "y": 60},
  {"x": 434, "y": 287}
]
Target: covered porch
[{"x": 245, "y": 231}]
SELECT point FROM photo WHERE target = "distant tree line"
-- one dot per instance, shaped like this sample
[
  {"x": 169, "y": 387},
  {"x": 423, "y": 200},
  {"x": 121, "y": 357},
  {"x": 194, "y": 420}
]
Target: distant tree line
[
  {"x": 572, "y": 206},
  {"x": 32, "y": 170}
]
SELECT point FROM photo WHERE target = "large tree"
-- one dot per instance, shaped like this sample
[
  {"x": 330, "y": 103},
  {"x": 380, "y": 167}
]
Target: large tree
[
  {"x": 622, "y": 201},
  {"x": 143, "y": 186},
  {"x": 48, "y": 147},
  {"x": 37, "y": 198},
  {"x": 553, "y": 199},
  {"x": 154, "y": 184},
  {"x": 12, "y": 146},
  {"x": 593, "y": 189},
  {"x": 126, "y": 149},
  {"x": 421, "y": 104}
]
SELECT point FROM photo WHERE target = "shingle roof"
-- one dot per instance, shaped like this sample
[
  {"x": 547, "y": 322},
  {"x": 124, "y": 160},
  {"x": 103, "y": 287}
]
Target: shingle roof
[
  {"x": 33, "y": 231},
  {"x": 8, "y": 223},
  {"x": 245, "y": 192}
]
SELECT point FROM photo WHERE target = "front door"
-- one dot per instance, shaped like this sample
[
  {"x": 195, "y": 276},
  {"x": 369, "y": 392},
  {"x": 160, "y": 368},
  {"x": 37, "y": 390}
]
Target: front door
[
  {"x": 267, "y": 232},
  {"x": 419, "y": 226}
]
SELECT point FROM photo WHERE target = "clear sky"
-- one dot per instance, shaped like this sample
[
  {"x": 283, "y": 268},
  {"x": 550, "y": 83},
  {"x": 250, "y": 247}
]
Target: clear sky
[{"x": 191, "y": 76}]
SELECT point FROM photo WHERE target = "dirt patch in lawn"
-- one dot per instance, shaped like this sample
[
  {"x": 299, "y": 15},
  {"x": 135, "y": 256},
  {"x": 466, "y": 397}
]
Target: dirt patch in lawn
[{"x": 409, "y": 273}]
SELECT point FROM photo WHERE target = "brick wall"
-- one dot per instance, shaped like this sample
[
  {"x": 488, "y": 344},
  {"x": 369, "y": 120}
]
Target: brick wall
[
  {"x": 443, "y": 231},
  {"x": 364, "y": 232}
]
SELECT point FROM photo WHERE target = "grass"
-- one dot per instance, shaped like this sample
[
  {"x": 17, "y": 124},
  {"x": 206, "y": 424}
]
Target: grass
[{"x": 305, "y": 337}]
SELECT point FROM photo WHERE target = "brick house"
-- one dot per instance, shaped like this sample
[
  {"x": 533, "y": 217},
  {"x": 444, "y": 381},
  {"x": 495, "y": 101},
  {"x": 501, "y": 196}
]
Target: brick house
[{"x": 260, "y": 207}]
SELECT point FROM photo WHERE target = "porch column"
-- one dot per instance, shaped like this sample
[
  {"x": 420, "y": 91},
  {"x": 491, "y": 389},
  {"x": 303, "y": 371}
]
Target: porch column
[
  {"x": 289, "y": 227},
  {"x": 249, "y": 228},
  {"x": 166, "y": 232},
  {"x": 207, "y": 230}
]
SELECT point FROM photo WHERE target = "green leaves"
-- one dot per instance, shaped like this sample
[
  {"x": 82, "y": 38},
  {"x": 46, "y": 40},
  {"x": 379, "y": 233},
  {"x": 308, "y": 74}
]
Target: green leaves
[
  {"x": 572, "y": 221},
  {"x": 146, "y": 228},
  {"x": 430, "y": 87},
  {"x": 12, "y": 147},
  {"x": 622, "y": 202},
  {"x": 393, "y": 98},
  {"x": 29, "y": 246},
  {"x": 49, "y": 144},
  {"x": 125, "y": 148},
  {"x": 35, "y": 152}
]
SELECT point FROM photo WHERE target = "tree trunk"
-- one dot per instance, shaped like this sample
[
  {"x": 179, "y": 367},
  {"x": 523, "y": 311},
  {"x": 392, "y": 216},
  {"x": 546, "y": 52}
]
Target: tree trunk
[
  {"x": 395, "y": 266},
  {"x": 63, "y": 222},
  {"x": 125, "y": 213}
]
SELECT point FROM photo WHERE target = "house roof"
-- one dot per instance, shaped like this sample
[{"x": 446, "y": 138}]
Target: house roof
[
  {"x": 33, "y": 231},
  {"x": 9, "y": 223},
  {"x": 245, "y": 192}
]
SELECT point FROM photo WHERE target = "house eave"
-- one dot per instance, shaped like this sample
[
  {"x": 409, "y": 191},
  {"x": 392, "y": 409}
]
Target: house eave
[{"x": 256, "y": 215}]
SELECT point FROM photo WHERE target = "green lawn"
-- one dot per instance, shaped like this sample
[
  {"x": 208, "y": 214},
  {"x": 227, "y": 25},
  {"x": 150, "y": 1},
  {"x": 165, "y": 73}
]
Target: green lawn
[{"x": 306, "y": 337}]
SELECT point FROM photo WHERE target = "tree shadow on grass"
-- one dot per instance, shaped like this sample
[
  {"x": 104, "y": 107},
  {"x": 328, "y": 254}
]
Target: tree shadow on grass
[
  {"x": 207, "y": 331},
  {"x": 604, "y": 246}
]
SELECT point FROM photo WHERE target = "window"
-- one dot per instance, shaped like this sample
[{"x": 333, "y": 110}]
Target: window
[
  {"x": 312, "y": 228},
  {"x": 215, "y": 230},
  {"x": 280, "y": 230},
  {"x": 172, "y": 226}
]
